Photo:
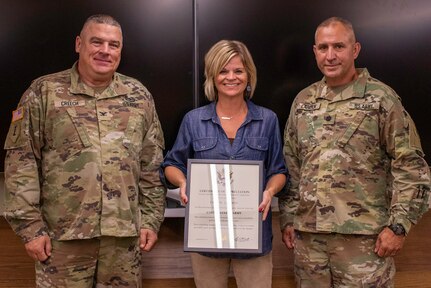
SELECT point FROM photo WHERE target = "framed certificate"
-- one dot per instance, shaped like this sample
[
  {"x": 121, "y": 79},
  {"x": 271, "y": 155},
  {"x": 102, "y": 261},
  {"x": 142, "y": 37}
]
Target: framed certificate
[{"x": 222, "y": 213}]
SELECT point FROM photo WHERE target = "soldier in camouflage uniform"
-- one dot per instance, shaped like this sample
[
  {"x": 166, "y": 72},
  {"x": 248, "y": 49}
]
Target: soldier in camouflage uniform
[
  {"x": 358, "y": 177},
  {"x": 83, "y": 152}
]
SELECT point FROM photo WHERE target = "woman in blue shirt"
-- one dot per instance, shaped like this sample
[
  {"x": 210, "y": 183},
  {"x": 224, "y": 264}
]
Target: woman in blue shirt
[{"x": 230, "y": 127}]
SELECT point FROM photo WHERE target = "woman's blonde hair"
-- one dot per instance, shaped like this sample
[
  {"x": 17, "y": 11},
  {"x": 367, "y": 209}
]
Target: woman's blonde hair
[{"x": 218, "y": 57}]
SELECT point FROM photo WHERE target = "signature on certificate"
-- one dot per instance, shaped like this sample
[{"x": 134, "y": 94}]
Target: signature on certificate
[{"x": 242, "y": 239}]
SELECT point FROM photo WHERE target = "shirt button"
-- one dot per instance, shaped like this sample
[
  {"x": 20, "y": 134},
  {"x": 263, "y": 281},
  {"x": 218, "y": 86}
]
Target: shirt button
[
  {"x": 328, "y": 118},
  {"x": 232, "y": 157},
  {"x": 202, "y": 147}
]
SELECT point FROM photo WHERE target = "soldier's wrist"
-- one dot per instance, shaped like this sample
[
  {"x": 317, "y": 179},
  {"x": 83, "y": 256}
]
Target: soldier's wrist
[
  {"x": 289, "y": 225},
  {"x": 398, "y": 229}
]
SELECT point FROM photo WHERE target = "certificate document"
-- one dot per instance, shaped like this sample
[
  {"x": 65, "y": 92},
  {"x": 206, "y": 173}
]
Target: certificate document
[{"x": 222, "y": 213}]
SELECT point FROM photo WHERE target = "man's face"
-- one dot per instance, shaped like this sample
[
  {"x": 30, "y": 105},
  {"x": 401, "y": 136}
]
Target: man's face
[
  {"x": 99, "y": 47},
  {"x": 335, "y": 52}
]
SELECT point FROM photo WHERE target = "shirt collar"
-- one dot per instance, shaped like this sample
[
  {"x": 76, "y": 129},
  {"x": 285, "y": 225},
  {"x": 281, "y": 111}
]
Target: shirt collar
[
  {"x": 115, "y": 88},
  {"x": 354, "y": 89}
]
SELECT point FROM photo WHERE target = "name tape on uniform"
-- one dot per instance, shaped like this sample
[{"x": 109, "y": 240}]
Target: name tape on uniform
[{"x": 69, "y": 103}]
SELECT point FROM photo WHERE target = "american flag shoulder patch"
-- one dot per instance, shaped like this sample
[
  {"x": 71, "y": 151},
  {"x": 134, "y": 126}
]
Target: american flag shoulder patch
[{"x": 18, "y": 114}]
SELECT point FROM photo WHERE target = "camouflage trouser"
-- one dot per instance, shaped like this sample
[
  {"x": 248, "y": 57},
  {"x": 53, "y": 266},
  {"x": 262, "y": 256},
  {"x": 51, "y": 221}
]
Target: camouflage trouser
[
  {"x": 100, "y": 262},
  {"x": 340, "y": 260}
]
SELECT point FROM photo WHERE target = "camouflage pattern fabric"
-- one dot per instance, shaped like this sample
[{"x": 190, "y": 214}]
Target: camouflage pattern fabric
[
  {"x": 73, "y": 264},
  {"x": 82, "y": 163},
  {"x": 340, "y": 260},
  {"x": 355, "y": 160}
]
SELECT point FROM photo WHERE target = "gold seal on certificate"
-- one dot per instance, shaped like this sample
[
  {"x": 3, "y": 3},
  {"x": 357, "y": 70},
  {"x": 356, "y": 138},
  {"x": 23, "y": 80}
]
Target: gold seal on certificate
[{"x": 222, "y": 213}]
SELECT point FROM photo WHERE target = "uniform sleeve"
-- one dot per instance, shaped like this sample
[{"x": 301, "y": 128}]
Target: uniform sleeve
[
  {"x": 288, "y": 202},
  {"x": 152, "y": 192},
  {"x": 22, "y": 168},
  {"x": 410, "y": 172}
]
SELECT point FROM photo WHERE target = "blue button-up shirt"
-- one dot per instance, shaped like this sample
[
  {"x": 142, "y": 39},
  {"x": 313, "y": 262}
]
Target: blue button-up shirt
[{"x": 201, "y": 136}]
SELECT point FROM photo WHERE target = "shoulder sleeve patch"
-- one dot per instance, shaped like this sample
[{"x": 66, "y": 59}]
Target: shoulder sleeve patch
[{"x": 16, "y": 135}]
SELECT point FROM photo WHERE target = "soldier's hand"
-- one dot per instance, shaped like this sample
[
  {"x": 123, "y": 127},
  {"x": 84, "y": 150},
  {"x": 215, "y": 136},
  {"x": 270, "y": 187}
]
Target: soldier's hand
[
  {"x": 388, "y": 244},
  {"x": 147, "y": 239},
  {"x": 39, "y": 249},
  {"x": 288, "y": 237}
]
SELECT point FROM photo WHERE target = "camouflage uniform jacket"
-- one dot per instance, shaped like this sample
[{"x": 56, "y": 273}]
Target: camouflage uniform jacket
[
  {"x": 82, "y": 163},
  {"x": 355, "y": 160}
]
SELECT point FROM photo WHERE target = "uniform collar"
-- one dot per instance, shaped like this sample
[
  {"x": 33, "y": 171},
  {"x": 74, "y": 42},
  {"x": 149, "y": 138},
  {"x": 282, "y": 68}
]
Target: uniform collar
[
  {"x": 354, "y": 89},
  {"x": 115, "y": 88}
]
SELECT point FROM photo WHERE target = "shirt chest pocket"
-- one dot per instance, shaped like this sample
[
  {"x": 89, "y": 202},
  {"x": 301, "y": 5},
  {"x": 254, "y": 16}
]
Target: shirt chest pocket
[
  {"x": 256, "y": 148},
  {"x": 350, "y": 130},
  {"x": 363, "y": 123},
  {"x": 134, "y": 134},
  {"x": 361, "y": 137},
  {"x": 69, "y": 136},
  {"x": 204, "y": 148},
  {"x": 309, "y": 123}
]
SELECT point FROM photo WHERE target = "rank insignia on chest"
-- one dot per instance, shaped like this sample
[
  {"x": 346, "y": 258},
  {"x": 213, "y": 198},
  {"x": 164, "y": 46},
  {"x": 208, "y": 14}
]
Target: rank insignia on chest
[
  {"x": 308, "y": 106},
  {"x": 104, "y": 115}
]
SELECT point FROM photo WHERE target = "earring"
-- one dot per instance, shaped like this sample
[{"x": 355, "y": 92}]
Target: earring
[{"x": 248, "y": 91}]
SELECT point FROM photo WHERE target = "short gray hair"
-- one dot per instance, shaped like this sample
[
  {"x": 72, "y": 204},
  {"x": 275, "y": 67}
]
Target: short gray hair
[
  {"x": 101, "y": 19},
  {"x": 346, "y": 23}
]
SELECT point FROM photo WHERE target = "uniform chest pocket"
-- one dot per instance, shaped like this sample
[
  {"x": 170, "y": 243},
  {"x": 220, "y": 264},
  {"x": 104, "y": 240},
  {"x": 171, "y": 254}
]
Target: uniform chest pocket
[
  {"x": 361, "y": 136},
  {"x": 257, "y": 147},
  {"x": 309, "y": 129},
  {"x": 68, "y": 136},
  {"x": 134, "y": 134},
  {"x": 350, "y": 130}
]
